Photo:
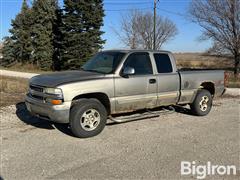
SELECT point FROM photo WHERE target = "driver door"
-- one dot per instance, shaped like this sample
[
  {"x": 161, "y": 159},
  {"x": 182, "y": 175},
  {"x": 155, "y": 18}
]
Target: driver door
[{"x": 137, "y": 91}]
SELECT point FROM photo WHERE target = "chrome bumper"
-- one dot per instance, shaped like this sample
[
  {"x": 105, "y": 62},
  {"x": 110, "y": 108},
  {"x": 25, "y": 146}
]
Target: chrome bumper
[{"x": 56, "y": 113}]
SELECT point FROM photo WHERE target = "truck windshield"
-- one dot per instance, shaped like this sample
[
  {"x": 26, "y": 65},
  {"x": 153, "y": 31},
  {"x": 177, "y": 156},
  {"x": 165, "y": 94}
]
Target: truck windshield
[{"x": 104, "y": 62}]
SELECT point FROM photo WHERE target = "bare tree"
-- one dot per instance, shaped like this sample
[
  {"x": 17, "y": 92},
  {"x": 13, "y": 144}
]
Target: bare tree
[
  {"x": 218, "y": 49},
  {"x": 220, "y": 20},
  {"x": 137, "y": 30}
]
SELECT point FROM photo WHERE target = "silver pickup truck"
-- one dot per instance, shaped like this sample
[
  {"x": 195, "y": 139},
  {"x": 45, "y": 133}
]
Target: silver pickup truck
[{"x": 119, "y": 81}]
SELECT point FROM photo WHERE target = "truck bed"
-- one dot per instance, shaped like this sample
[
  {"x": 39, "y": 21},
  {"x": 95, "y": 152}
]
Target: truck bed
[{"x": 192, "y": 79}]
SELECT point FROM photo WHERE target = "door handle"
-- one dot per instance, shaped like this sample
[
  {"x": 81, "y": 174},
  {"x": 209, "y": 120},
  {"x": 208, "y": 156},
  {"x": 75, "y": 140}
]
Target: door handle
[{"x": 152, "y": 81}]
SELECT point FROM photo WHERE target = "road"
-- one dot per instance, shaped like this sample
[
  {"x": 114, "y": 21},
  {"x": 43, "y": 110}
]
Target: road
[
  {"x": 148, "y": 149},
  {"x": 16, "y": 74}
]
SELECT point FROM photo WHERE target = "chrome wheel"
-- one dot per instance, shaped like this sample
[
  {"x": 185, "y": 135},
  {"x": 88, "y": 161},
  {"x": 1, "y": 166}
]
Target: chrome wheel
[
  {"x": 90, "y": 119},
  {"x": 204, "y": 103}
]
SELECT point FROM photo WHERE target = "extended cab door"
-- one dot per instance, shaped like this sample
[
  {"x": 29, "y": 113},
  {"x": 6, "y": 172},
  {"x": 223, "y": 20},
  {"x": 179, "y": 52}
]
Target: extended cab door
[
  {"x": 168, "y": 80},
  {"x": 137, "y": 91}
]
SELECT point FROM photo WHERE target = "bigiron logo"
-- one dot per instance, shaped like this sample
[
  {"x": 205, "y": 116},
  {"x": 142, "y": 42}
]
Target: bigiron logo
[{"x": 208, "y": 169}]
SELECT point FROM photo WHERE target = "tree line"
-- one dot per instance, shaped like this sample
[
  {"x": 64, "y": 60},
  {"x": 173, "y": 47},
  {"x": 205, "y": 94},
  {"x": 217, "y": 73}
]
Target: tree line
[
  {"x": 52, "y": 38},
  {"x": 56, "y": 39}
]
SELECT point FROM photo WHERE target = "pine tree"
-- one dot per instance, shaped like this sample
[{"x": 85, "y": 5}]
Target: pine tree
[
  {"x": 9, "y": 55},
  {"x": 45, "y": 15},
  {"x": 81, "y": 32},
  {"x": 57, "y": 42},
  {"x": 18, "y": 46}
]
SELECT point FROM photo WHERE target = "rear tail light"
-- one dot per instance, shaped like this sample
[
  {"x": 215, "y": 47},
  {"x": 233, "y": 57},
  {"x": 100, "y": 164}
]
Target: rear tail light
[{"x": 225, "y": 79}]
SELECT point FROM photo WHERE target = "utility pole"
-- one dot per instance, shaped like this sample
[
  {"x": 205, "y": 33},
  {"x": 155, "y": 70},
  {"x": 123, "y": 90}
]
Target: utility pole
[{"x": 154, "y": 25}]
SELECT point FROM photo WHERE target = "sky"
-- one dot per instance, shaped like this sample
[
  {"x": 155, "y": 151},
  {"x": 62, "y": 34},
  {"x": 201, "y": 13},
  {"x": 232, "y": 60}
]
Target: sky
[{"x": 176, "y": 10}]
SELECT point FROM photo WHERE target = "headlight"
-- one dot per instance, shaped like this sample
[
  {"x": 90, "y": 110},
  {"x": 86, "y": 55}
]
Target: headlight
[{"x": 53, "y": 91}]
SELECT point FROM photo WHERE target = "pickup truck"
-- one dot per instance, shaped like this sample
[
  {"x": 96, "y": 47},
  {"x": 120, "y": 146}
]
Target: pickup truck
[{"x": 119, "y": 81}]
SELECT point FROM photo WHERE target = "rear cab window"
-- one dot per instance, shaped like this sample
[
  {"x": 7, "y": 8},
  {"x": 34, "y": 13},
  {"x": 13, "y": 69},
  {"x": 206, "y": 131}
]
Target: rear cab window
[{"x": 163, "y": 63}]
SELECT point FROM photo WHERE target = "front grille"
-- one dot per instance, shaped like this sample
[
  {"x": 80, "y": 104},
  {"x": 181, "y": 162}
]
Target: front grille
[
  {"x": 37, "y": 97},
  {"x": 40, "y": 98},
  {"x": 36, "y": 88},
  {"x": 36, "y": 92}
]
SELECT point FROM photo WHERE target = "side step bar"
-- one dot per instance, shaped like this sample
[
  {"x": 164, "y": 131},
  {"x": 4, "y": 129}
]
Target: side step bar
[{"x": 140, "y": 116}]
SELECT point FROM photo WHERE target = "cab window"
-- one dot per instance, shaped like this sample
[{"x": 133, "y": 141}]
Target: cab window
[{"x": 140, "y": 62}]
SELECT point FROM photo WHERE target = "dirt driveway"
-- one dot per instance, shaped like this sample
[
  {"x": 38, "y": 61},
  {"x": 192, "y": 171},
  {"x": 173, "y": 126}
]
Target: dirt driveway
[{"x": 149, "y": 149}]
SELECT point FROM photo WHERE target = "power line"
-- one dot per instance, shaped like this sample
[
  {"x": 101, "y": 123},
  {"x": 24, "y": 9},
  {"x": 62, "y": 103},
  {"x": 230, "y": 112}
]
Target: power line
[
  {"x": 171, "y": 12},
  {"x": 125, "y": 3},
  {"x": 128, "y": 9}
]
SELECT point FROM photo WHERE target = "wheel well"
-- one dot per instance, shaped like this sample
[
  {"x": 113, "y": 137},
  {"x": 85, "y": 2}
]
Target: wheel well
[
  {"x": 208, "y": 86},
  {"x": 103, "y": 98}
]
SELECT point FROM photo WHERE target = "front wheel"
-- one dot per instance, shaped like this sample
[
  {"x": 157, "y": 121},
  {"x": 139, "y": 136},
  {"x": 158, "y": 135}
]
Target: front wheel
[
  {"x": 88, "y": 118},
  {"x": 202, "y": 103}
]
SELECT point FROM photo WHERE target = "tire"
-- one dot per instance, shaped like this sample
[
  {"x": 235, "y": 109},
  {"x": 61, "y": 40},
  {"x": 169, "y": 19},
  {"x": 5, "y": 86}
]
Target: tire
[
  {"x": 88, "y": 118},
  {"x": 202, "y": 103}
]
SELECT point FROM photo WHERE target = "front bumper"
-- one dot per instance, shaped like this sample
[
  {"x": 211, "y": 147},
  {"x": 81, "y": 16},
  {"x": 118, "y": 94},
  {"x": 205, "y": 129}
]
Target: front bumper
[{"x": 55, "y": 113}]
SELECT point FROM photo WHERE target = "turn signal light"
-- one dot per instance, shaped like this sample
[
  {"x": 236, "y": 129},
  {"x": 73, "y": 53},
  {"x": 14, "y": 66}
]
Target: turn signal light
[{"x": 56, "y": 102}]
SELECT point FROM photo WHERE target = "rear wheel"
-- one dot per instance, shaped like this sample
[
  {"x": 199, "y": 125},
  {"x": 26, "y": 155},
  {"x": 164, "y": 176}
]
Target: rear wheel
[
  {"x": 202, "y": 103},
  {"x": 88, "y": 118}
]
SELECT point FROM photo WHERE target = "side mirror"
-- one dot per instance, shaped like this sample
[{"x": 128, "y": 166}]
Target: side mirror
[{"x": 128, "y": 71}]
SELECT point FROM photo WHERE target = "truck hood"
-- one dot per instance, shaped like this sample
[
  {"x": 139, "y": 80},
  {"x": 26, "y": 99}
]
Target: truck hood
[{"x": 58, "y": 78}]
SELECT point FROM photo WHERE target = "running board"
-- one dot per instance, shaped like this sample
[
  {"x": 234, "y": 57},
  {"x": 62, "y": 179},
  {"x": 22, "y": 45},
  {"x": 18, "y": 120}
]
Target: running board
[
  {"x": 140, "y": 116},
  {"x": 134, "y": 117}
]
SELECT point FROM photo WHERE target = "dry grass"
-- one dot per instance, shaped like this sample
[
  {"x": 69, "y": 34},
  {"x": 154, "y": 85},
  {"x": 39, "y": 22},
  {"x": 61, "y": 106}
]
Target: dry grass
[
  {"x": 198, "y": 60},
  {"x": 12, "y": 90},
  {"x": 233, "y": 82}
]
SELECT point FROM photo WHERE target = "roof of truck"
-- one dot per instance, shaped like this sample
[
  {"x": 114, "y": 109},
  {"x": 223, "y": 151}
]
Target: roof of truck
[{"x": 135, "y": 50}]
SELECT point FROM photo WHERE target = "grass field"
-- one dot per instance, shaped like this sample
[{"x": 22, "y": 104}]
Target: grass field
[
  {"x": 12, "y": 90},
  {"x": 233, "y": 82},
  {"x": 199, "y": 60}
]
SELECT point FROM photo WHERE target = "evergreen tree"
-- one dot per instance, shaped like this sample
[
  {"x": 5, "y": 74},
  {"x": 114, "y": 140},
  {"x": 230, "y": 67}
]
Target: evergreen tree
[
  {"x": 18, "y": 46},
  {"x": 57, "y": 42},
  {"x": 45, "y": 15},
  {"x": 82, "y": 20},
  {"x": 9, "y": 55}
]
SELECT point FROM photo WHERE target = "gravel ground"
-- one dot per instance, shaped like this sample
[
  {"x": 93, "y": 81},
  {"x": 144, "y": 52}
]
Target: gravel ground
[
  {"x": 148, "y": 149},
  {"x": 233, "y": 91}
]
